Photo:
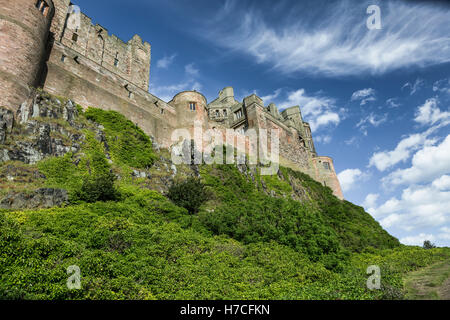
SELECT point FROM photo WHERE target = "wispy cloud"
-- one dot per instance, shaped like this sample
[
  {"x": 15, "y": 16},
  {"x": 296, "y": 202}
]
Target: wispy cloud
[
  {"x": 442, "y": 86},
  {"x": 373, "y": 120},
  {"x": 270, "y": 98},
  {"x": 364, "y": 95},
  {"x": 414, "y": 87},
  {"x": 190, "y": 69},
  {"x": 393, "y": 103},
  {"x": 333, "y": 40},
  {"x": 166, "y": 61},
  {"x": 166, "y": 93}
]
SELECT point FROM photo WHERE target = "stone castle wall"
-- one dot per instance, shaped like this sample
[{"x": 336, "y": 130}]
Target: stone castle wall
[
  {"x": 39, "y": 45},
  {"x": 90, "y": 84},
  {"x": 24, "y": 31}
]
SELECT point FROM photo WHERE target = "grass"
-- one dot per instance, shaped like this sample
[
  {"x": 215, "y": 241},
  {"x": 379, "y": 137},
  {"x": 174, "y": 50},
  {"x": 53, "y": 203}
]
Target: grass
[{"x": 426, "y": 283}]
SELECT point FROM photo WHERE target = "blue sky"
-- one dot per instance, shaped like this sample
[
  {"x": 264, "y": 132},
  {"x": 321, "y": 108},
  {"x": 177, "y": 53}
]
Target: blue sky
[{"x": 378, "y": 100}]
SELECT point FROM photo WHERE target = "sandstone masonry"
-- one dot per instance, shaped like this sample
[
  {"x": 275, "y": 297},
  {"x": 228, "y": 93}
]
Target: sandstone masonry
[{"x": 39, "y": 47}]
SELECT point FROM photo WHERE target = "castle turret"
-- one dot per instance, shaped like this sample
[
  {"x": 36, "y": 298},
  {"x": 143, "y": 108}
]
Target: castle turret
[
  {"x": 24, "y": 30},
  {"x": 190, "y": 107}
]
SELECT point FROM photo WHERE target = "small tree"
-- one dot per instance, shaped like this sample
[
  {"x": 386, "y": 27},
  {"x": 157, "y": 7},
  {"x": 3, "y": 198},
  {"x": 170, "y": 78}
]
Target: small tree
[
  {"x": 190, "y": 194},
  {"x": 428, "y": 245}
]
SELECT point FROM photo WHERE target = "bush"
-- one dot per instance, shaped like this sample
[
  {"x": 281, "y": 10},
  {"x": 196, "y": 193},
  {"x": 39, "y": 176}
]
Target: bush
[
  {"x": 127, "y": 143},
  {"x": 190, "y": 194},
  {"x": 98, "y": 188}
]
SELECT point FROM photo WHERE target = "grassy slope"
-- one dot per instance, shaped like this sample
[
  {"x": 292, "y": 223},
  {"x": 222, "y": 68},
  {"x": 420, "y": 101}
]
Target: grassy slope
[
  {"x": 430, "y": 283},
  {"x": 243, "y": 244}
]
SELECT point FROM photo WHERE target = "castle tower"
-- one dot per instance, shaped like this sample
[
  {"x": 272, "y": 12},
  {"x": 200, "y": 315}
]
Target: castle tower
[
  {"x": 24, "y": 30},
  {"x": 190, "y": 106}
]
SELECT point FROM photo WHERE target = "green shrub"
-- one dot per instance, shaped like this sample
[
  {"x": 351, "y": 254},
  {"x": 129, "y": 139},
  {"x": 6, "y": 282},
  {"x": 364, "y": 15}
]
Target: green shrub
[
  {"x": 127, "y": 143},
  {"x": 189, "y": 194}
]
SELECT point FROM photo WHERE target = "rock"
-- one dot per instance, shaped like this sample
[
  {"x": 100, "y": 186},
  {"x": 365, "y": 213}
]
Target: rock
[
  {"x": 45, "y": 142},
  {"x": 41, "y": 198},
  {"x": 174, "y": 170},
  {"x": 139, "y": 174},
  {"x": 6, "y": 123},
  {"x": 23, "y": 114}
]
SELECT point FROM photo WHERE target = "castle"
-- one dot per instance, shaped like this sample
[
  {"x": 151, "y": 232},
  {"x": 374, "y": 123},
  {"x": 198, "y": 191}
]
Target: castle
[{"x": 39, "y": 48}]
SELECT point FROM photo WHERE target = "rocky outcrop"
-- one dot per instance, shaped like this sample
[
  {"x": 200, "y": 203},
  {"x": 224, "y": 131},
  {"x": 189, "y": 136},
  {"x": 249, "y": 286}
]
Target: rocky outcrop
[
  {"x": 41, "y": 198},
  {"x": 45, "y": 127}
]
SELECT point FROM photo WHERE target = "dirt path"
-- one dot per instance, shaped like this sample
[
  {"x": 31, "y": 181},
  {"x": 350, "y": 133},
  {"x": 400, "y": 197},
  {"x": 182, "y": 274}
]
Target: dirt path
[{"x": 431, "y": 283}]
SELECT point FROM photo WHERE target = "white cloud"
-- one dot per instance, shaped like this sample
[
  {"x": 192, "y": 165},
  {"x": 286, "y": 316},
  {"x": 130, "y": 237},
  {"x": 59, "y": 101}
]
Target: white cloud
[
  {"x": 371, "y": 200},
  {"x": 364, "y": 95},
  {"x": 416, "y": 86},
  {"x": 166, "y": 61},
  {"x": 372, "y": 119},
  {"x": 428, "y": 164},
  {"x": 270, "y": 98},
  {"x": 166, "y": 93},
  {"x": 442, "y": 86},
  {"x": 348, "y": 178},
  {"x": 445, "y": 233},
  {"x": 417, "y": 240},
  {"x": 190, "y": 69},
  {"x": 393, "y": 103},
  {"x": 326, "y": 139},
  {"x": 333, "y": 40},
  {"x": 318, "y": 110},
  {"x": 420, "y": 206},
  {"x": 429, "y": 113},
  {"x": 385, "y": 159},
  {"x": 443, "y": 183}
]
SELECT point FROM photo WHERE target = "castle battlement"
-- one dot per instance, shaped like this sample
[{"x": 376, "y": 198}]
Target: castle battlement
[{"x": 39, "y": 47}]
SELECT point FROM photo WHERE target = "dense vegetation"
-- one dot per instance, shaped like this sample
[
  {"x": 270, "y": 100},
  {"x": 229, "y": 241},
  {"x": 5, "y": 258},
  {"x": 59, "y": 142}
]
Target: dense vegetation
[{"x": 223, "y": 235}]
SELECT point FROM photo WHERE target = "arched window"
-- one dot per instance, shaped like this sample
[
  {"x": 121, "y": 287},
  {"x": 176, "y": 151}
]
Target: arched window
[
  {"x": 225, "y": 114},
  {"x": 192, "y": 106},
  {"x": 217, "y": 113}
]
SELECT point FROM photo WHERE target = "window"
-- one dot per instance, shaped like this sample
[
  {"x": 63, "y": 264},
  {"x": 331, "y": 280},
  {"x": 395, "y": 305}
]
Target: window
[
  {"x": 326, "y": 165},
  {"x": 225, "y": 114},
  {"x": 192, "y": 106},
  {"x": 238, "y": 114},
  {"x": 310, "y": 145},
  {"x": 63, "y": 58},
  {"x": 75, "y": 37},
  {"x": 217, "y": 113},
  {"x": 116, "y": 60},
  {"x": 162, "y": 111},
  {"x": 130, "y": 95},
  {"x": 42, "y": 6}
]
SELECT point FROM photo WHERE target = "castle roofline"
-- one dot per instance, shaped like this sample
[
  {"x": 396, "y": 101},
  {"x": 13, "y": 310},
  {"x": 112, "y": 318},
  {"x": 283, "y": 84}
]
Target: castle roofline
[
  {"x": 192, "y": 91},
  {"x": 113, "y": 35}
]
